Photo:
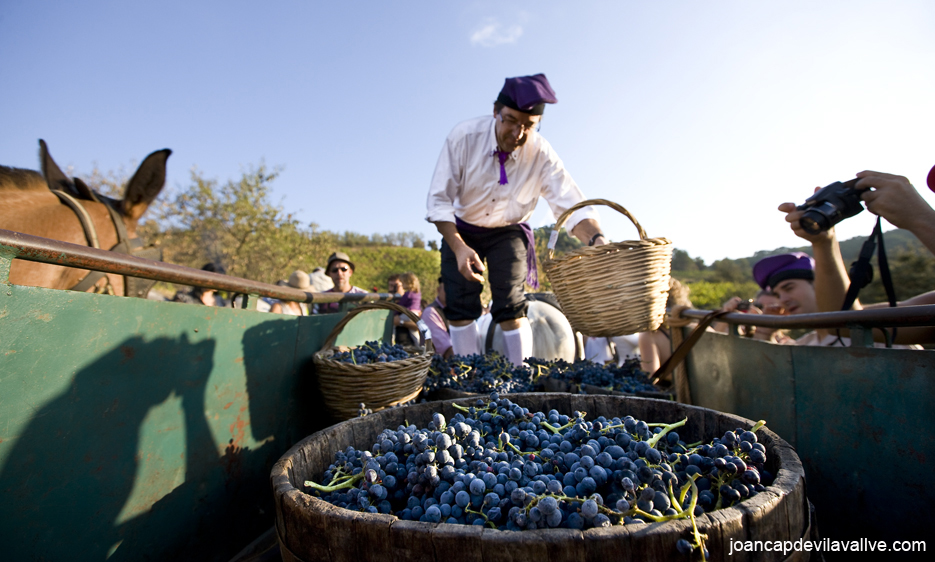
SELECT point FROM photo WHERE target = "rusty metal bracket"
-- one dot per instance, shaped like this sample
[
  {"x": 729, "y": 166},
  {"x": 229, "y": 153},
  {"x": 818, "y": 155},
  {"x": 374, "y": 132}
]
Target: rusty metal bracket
[{"x": 861, "y": 336}]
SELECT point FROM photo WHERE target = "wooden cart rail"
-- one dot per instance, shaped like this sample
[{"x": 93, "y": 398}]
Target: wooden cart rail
[
  {"x": 923, "y": 315},
  {"x": 34, "y": 248}
]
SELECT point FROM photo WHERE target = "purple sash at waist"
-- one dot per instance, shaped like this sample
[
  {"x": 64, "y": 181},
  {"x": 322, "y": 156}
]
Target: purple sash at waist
[{"x": 532, "y": 269}]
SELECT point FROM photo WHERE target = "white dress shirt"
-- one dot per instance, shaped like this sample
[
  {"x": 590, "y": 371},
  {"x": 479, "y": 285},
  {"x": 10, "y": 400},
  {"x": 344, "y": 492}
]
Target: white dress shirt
[{"x": 466, "y": 183}]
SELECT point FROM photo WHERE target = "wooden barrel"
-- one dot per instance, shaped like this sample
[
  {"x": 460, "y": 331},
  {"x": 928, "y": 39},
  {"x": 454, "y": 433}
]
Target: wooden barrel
[{"x": 310, "y": 529}]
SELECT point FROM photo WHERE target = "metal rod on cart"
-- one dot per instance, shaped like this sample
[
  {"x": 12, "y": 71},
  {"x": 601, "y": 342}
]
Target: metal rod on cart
[
  {"x": 38, "y": 249},
  {"x": 923, "y": 315}
]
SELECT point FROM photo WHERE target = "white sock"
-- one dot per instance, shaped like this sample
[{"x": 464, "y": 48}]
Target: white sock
[
  {"x": 464, "y": 339},
  {"x": 518, "y": 344}
]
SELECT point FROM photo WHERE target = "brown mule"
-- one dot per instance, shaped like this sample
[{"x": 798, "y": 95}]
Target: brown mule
[{"x": 29, "y": 204}]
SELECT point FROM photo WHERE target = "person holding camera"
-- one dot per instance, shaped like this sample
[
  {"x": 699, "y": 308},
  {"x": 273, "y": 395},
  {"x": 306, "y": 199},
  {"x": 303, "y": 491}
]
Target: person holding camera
[{"x": 889, "y": 196}]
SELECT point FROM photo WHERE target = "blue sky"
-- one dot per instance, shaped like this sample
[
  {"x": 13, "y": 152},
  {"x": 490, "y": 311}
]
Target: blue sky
[{"x": 699, "y": 117}]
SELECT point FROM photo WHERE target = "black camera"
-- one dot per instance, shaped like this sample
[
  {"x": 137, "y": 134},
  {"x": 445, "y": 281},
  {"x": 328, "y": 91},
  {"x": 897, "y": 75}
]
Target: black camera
[{"x": 830, "y": 205}]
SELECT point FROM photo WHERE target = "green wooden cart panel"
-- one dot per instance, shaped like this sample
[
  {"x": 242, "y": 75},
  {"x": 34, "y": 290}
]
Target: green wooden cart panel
[
  {"x": 143, "y": 430},
  {"x": 854, "y": 415}
]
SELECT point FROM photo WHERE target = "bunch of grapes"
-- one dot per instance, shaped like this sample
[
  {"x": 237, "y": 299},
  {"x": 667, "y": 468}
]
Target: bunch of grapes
[
  {"x": 478, "y": 374},
  {"x": 625, "y": 378},
  {"x": 371, "y": 352},
  {"x": 499, "y": 465},
  {"x": 482, "y": 374}
]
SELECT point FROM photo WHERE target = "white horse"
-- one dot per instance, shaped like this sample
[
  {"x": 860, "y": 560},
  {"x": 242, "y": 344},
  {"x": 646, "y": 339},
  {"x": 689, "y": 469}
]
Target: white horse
[
  {"x": 618, "y": 348},
  {"x": 552, "y": 336}
]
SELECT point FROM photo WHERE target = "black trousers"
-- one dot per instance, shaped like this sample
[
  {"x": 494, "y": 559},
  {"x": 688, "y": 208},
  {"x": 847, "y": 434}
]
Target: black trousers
[{"x": 504, "y": 251}]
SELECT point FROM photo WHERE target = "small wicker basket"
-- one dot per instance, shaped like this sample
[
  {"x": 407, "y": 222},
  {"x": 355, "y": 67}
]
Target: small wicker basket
[
  {"x": 615, "y": 289},
  {"x": 344, "y": 386}
]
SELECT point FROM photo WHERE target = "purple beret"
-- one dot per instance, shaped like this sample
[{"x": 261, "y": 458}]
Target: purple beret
[
  {"x": 931, "y": 179},
  {"x": 769, "y": 272},
  {"x": 528, "y": 94}
]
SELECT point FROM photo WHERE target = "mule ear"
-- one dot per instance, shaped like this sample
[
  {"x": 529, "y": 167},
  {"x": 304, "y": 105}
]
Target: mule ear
[
  {"x": 145, "y": 184},
  {"x": 84, "y": 191},
  {"x": 53, "y": 175}
]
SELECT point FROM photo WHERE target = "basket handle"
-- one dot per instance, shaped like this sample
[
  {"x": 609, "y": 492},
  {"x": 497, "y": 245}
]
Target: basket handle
[
  {"x": 378, "y": 305},
  {"x": 564, "y": 217}
]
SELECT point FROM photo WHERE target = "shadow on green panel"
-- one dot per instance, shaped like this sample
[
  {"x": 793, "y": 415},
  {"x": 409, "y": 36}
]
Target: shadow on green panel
[{"x": 126, "y": 464}]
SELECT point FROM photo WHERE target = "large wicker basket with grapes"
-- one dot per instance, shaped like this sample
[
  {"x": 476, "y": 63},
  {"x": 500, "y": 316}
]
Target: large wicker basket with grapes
[
  {"x": 344, "y": 386},
  {"x": 352, "y": 491}
]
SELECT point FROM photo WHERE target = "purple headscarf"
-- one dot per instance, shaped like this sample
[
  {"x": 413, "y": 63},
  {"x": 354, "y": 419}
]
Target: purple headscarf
[
  {"x": 528, "y": 94},
  {"x": 768, "y": 272}
]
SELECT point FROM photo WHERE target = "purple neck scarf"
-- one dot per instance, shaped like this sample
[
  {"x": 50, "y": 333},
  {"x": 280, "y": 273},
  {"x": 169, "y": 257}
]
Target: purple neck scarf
[
  {"x": 502, "y": 156},
  {"x": 532, "y": 269}
]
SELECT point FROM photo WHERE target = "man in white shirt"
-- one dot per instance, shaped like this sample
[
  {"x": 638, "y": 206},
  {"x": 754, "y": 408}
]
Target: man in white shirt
[{"x": 489, "y": 177}]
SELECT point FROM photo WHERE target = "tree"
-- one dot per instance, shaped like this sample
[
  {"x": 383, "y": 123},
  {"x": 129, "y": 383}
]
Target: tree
[
  {"x": 913, "y": 273},
  {"x": 681, "y": 261},
  {"x": 710, "y": 296},
  {"x": 236, "y": 225},
  {"x": 730, "y": 271}
]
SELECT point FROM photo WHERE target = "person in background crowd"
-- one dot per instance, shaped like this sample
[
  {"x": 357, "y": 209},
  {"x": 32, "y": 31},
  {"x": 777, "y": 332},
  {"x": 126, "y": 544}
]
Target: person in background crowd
[
  {"x": 656, "y": 347},
  {"x": 792, "y": 278},
  {"x": 200, "y": 295},
  {"x": 434, "y": 317},
  {"x": 765, "y": 302},
  {"x": 298, "y": 280},
  {"x": 407, "y": 333},
  {"x": 340, "y": 268},
  {"x": 394, "y": 287},
  {"x": 489, "y": 177},
  {"x": 895, "y": 199}
]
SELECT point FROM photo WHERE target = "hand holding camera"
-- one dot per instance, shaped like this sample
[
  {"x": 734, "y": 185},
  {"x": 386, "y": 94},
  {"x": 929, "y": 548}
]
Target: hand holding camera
[
  {"x": 814, "y": 220},
  {"x": 830, "y": 205},
  {"x": 894, "y": 199},
  {"x": 889, "y": 196}
]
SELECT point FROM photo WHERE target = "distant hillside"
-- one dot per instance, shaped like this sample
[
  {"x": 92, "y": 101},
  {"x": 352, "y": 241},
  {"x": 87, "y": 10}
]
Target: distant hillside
[
  {"x": 911, "y": 264},
  {"x": 895, "y": 241}
]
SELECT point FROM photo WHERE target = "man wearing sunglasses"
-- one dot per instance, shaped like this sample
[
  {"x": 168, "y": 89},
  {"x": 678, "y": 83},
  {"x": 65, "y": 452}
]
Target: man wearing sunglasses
[
  {"x": 340, "y": 268},
  {"x": 489, "y": 177}
]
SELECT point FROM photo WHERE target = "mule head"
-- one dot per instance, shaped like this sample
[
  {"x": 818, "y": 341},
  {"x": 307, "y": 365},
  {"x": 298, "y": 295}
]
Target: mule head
[{"x": 142, "y": 189}]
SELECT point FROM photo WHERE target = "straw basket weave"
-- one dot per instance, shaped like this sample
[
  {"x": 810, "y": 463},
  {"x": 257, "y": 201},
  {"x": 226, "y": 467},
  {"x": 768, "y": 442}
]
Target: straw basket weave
[
  {"x": 344, "y": 386},
  {"x": 615, "y": 289}
]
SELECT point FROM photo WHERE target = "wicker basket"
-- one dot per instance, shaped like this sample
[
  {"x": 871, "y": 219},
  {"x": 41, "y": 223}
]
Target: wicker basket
[
  {"x": 615, "y": 289},
  {"x": 344, "y": 386}
]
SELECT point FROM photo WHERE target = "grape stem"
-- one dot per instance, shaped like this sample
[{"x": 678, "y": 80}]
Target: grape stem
[
  {"x": 570, "y": 423},
  {"x": 348, "y": 482},
  {"x": 487, "y": 520},
  {"x": 665, "y": 429}
]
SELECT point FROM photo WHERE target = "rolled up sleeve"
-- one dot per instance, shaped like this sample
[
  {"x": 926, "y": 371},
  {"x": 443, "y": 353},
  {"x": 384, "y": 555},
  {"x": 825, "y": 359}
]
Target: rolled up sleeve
[{"x": 446, "y": 183}]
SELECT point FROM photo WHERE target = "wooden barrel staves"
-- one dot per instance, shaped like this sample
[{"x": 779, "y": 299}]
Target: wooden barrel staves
[{"x": 310, "y": 529}]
